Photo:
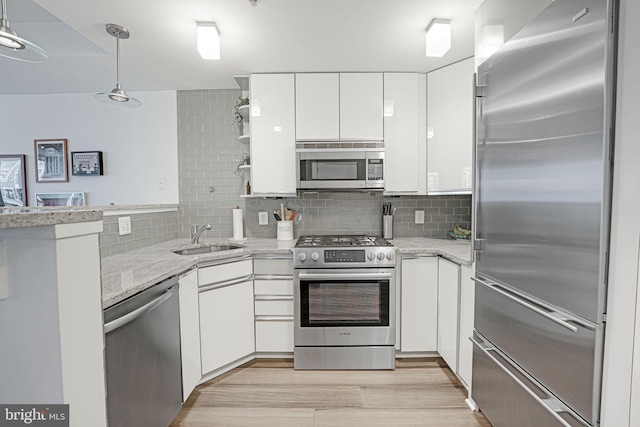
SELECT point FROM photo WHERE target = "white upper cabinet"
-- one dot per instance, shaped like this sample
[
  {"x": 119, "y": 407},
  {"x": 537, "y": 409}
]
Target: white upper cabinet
[
  {"x": 361, "y": 106},
  {"x": 318, "y": 107},
  {"x": 405, "y": 146},
  {"x": 450, "y": 128},
  {"x": 273, "y": 138}
]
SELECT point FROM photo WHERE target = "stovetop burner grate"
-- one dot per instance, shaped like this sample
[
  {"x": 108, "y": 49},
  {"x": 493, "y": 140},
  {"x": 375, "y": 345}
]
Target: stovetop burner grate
[{"x": 341, "y": 240}]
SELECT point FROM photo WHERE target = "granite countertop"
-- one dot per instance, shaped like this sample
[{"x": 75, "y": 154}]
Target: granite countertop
[
  {"x": 458, "y": 251},
  {"x": 127, "y": 274},
  {"x": 40, "y": 216}
]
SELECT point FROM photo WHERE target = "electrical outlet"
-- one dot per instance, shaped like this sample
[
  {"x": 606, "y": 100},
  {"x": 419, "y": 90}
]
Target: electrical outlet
[
  {"x": 263, "y": 218},
  {"x": 124, "y": 225},
  {"x": 419, "y": 217}
]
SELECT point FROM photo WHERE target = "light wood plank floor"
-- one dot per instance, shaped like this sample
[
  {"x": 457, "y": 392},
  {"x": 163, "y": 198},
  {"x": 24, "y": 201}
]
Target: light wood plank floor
[{"x": 270, "y": 392}]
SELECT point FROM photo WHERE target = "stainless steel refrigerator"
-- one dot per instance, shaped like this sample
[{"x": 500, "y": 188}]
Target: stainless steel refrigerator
[{"x": 542, "y": 207}]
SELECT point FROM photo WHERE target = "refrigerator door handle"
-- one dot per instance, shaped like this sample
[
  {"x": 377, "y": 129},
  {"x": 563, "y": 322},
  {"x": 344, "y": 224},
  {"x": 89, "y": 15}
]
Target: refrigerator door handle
[
  {"x": 556, "y": 317},
  {"x": 550, "y": 403}
]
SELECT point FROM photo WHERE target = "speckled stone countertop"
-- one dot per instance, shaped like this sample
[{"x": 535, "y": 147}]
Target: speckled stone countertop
[
  {"x": 36, "y": 217},
  {"x": 127, "y": 274},
  {"x": 458, "y": 251},
  {"x": 132, "y": 272}
]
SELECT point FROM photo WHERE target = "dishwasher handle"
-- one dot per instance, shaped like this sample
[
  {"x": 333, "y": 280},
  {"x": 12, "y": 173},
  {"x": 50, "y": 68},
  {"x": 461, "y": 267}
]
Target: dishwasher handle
[{"x": 139, "y": 312}]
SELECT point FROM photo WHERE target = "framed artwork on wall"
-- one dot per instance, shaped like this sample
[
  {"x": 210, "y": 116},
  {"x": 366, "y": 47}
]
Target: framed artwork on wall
[
  {"x": 51, "y": 160},
  {"x": 13, "y": 180},
  {"x": 60, "y": 199},
  {"x": 86, "y": 163}
]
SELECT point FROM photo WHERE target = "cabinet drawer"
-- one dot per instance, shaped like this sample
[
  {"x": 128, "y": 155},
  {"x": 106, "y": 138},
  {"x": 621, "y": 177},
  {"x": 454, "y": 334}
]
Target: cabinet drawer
[
  {"x": 274, "y": 307},
  {"x": 274, "y": 336},
  {"x": 273, "y": 287},
  {"x": 273, "y": 266},
  {"x": 224, "y": 272}
]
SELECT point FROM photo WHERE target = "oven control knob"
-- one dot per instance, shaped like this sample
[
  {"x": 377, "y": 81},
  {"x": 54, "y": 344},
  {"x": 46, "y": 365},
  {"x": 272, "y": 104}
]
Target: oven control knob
[
  {"x": 371, "y": 256},
  {"x": 380, "y": 256},
  {"x": 315, "y": 256},
  {"x": 302, "y": 257},
  {"x": 390, "y": 256}
]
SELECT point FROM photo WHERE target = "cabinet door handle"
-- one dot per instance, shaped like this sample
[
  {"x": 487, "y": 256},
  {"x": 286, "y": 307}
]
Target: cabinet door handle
[
  {"x": 274, "y": 297},
  {"x": 260, "y": 318},
  {"x": 225, "y": 284}
]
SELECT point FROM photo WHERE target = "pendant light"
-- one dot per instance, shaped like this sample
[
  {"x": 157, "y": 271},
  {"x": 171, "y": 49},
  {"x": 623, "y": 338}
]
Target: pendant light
[
  {"x": 118, "y": 96},
  {"x": 14, "y": 47}
]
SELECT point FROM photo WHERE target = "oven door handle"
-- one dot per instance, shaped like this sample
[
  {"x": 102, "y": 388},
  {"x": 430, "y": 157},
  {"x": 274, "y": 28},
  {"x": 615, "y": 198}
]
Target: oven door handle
[{"x": 345, "y": 276}]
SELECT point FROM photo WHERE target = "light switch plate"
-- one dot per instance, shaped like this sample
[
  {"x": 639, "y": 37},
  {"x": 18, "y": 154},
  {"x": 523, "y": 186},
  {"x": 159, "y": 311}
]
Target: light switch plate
[
  {"x": 419, "y": 217},
  {"x": 263, "y": 218},
  {"x": 124, "y": 225}
]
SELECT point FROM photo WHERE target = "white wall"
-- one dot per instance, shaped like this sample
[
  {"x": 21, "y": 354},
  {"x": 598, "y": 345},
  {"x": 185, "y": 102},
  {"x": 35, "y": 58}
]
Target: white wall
[
  {"x": 139, "y": 145},
  {"x": 625, "y": 229}
]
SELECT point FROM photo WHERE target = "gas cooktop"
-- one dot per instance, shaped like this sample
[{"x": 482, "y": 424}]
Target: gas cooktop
[
  {"x": 338, "y": 251},
  {"x": 341, "y": 240}
]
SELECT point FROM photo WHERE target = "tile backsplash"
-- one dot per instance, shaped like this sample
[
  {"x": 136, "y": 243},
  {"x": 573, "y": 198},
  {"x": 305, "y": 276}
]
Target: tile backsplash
[
  {"x": 208, "y": 154},
  {"x": 146, "y": 229},
  {"x": 356, "y": 212}
]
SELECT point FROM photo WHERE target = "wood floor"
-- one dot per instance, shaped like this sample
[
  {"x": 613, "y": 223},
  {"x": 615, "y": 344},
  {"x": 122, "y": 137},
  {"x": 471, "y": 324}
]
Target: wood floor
[{"x": 270, "y": 393}]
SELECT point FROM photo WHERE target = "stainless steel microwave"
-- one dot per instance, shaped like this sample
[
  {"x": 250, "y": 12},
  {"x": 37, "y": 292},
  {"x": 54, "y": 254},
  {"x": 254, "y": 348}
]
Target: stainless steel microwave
[{"x": 344, "y": 169}]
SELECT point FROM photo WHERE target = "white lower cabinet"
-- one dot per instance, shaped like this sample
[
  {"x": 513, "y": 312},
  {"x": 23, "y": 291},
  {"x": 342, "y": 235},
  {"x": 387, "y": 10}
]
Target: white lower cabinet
[
  {"x": 419, "y": 304},
  {"x": 189, "y": 332},
  {"x": 226, "y": 322},
  {"x": 465, "y": 347},
  {"x": 448, "y": 296},
  {"x": 274, "y": 335},
  {"x": 273, "y": 288}
]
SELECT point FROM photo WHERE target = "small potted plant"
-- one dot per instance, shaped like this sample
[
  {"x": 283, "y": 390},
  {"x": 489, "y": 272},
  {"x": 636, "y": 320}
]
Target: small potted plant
[{"x": 236, "y": 111}]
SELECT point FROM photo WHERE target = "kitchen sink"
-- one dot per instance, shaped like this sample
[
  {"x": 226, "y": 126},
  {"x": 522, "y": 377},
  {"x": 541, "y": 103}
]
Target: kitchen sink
[{"x": 208, "y": 249}]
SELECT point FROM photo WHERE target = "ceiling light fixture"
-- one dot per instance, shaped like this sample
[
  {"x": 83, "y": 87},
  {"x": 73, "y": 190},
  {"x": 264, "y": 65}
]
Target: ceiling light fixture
[
  {"x": 14, "y": 47},
  {"x": 254, "y": 3},
  {"x": 208, "y": 40},
  {"x": 118, "y": 96},
  {"x": 438, "y": 36}
]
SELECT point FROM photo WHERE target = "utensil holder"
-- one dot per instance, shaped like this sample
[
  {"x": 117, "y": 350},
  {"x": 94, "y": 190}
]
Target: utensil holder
[
  {"x": 387, "y": 226},
  {"x": 284, "y": 230}
]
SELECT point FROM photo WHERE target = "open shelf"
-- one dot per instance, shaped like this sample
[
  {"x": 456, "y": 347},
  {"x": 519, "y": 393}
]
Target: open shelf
[{"x": 243, "y": 110}]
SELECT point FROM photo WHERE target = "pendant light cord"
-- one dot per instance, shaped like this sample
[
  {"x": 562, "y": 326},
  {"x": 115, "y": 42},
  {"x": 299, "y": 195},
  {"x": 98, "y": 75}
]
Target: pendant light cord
[
  {"x": 117, "y": 59},
  {"x": 5, "y": 20}
]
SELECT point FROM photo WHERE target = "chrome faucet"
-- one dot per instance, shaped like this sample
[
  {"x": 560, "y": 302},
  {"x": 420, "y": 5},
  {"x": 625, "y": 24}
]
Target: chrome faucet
[{"x": 196, "y": 231}]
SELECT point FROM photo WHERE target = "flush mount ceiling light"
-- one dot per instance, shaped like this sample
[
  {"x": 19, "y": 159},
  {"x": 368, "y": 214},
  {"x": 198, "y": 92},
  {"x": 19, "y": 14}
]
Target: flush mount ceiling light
[
  {"x": 438, "y": 37},
  {"x": 254, "y": 3},
  {"x": 208, "y": 40},
  {"x": 14, "y": 47},
  {"x": 118, "y": 96}
]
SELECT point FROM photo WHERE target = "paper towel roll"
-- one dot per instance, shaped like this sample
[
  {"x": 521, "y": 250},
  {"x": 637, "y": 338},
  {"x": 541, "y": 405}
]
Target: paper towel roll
[{"x": 237, "y": 224}]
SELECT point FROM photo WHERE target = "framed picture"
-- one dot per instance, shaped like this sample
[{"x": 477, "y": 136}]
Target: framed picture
[
  {"x": 51, "y": 160},
  {"x": 13, "y": 180},
  {"x": 60, "y": 199},
  {"x": 86, "y": 163}
]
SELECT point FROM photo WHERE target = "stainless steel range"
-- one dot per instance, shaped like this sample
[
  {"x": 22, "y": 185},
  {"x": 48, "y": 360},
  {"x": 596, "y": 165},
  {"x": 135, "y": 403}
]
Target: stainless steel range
[{"x": 345, "y": 298}]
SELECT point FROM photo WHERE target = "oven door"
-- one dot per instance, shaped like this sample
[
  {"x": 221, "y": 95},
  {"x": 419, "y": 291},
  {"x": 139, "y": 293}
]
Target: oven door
[{"x": 344, "y": 307}]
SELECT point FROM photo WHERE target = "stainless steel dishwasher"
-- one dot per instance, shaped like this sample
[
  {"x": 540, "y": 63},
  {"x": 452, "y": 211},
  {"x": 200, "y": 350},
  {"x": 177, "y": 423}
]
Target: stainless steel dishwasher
[{"x": 143, "y": 367}]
